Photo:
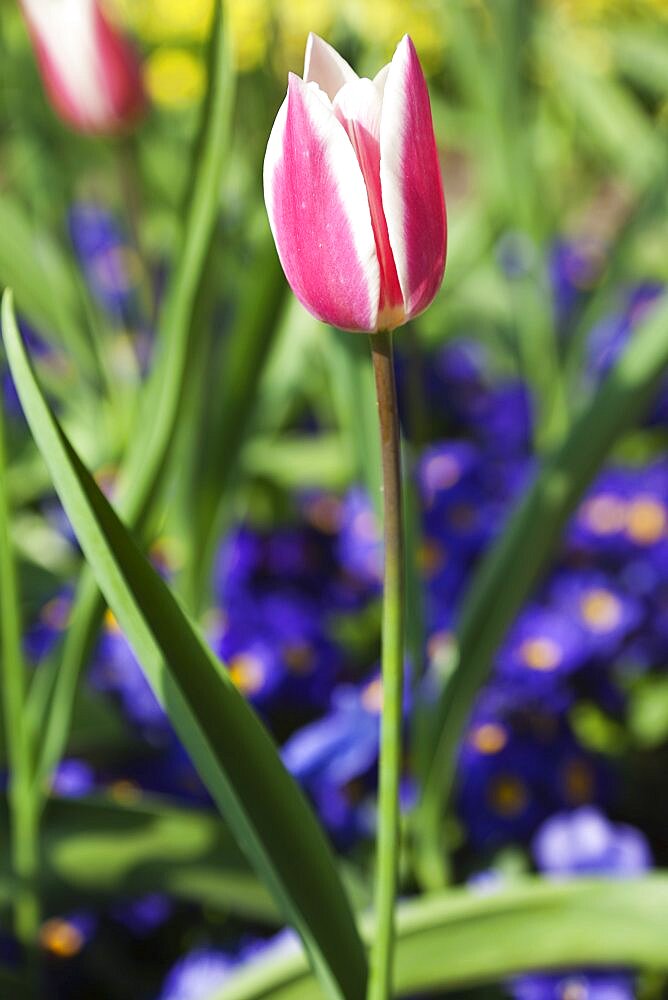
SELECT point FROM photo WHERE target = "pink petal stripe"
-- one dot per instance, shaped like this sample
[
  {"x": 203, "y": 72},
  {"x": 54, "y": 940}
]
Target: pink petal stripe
[
  {"x": 319, "y": 212},
  {"x": 120, "y": 71},
  {"x": 323, "y": 65},
  {"x": 411, "y": 182},
  {"x": 358, "y": 107}
]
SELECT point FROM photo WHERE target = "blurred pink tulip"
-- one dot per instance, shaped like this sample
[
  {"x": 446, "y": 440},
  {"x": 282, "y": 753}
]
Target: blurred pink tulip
[
  {"x": 353, "y": 190},
  {"x": 90, "y": 73}
]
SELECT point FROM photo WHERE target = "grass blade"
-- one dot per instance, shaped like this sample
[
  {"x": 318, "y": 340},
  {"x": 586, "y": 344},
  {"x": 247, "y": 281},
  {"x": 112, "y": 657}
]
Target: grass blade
[
  {"x": 23, "y": 814},
  {"x": 229, "y": 746}
]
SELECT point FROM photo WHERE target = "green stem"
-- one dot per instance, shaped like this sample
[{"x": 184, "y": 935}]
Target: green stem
[
  {"x": 22, "y": 805},
  {"x": 382, "y": 948}
]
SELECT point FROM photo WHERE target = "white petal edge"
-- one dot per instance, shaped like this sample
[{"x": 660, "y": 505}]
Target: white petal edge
[
  {"x": 348, "y": 178},
  {"x": 392, "y": 117},
  {"x": 323, "y": 65}
]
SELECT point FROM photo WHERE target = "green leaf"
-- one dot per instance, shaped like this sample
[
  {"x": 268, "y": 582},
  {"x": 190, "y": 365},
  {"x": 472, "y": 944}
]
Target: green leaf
[
  {"x": 640, "y": 53},
  {"x": 234, "y": 398},
  {"x": 23, "y": 837},
  {"x": 229, "y": 746},
  {"x": 648, "y": 711},
  {"x": 513, "y": 566},
  {"x": 351, "y": 380},
  {"x": 608, "y": 118},
  {"x": 126, "y": 843},
  {"x": 43, "y": 282},
  {"x": 298, "y": 461},
  {"x": 460, "y": 939},
  {"x": 98, "y": 846}
]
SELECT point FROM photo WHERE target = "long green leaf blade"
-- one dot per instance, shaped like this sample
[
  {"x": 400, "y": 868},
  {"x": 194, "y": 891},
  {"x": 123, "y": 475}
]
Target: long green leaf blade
[
  {"x": 461, "y": 939},
  {"x": 23, "y": 817},
  {"x": 231, "y": 749}
]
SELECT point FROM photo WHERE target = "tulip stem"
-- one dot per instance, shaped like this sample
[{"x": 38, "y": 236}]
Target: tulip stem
[{"x": 387, "y": 863}]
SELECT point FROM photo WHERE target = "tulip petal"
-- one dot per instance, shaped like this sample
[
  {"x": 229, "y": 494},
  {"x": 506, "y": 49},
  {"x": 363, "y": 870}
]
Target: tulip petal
[
  {"x": 64, "y": 37},
  {"x": 323, "y": 65},
  {"x": 319, "y": 211},
  {"x": 120, "y": 69},
  {"x": 380, "y": 79},
  {"x": 411, "y": 183},
  {"x": 358, "y": 106}
]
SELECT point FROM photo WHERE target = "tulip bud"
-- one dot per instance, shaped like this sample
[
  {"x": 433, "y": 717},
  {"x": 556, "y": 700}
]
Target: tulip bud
[
  {"x": 353, "y": 190},
  {"x": 89, "y": 71}
]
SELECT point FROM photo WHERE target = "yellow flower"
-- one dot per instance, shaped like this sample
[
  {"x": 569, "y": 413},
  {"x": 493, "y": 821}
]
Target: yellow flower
[
  {"x": 381, "y": 23},
  {"x": 174, "y": 78},
  {"x": 250, "y": 27},
  {"x": 294, "y": 21},
  {"x": 165, "y": 20}
]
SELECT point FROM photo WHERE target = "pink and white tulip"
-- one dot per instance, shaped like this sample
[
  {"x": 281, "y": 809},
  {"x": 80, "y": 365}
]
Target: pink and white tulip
[
  {"x": 353, "y": 189},
  {"x": 90, "y": 73}
]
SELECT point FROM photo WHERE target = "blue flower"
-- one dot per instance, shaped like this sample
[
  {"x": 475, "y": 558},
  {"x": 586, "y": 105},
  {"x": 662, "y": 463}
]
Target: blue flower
[
  {"x": 335, "y": 759},
  {"x": 342, "y": 745},
  {"x": 144, "y": 915},
  {"x": 504, "y": 423},
  {"x": 575, "y": 267},
  {"x": 203, "y": 971},
  {"x": 519, "y": 764},
  {"x": 240, "y": 557},
  {"x": 116, "y": 671},
  {"x": 73, "y": 779},
  {"x": 569, "y": 845},
  {"x": 51, "y": 622},
  {"x": 501, "y": 777},
  {"x": 359, "y": 545},
  {"x": 252, "y": 662},
  {"x": 605, "y": 613},
  {"x": 444, "y": 469},
  {"x": 196, "y": 976},
  {"x": 585, "y": 842},
  {"x": 609, "y": 338},
  {"x": 542, "y": 649},
  {"x": 111, "y": 266},
  {"x": 599, "y": 524},
  {"x": 591, "y": 985}
]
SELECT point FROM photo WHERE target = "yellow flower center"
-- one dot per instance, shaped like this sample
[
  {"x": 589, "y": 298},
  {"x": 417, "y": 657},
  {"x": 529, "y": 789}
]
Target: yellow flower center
[
  {"x": 247, "y": 672},
  {"x": 489, "y": 738},
  {"x": 507, "y": 796},
  {"x": 61, "y": 938},
  {"x": 431, "y": 557},
  {"x": 646, "y": 520},
  {"x": 601, "y": 610},
  {"x": 299, "y": 658},
  {"x": 372, "y": 697},
  {"x": 604, "y": 514},
  {"x": 540, "y": 654},
  {"x": 578, "y": 782}
]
